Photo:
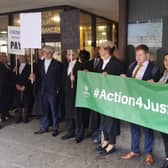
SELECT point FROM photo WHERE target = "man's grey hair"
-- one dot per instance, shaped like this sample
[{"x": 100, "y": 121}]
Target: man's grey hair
[{"x": 48, "y": 49}]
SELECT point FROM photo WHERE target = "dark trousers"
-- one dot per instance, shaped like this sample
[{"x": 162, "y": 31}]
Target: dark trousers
[
  {"x": 37, "y": 108},
  {"x": 49, "y": 105},
  {"x": 135, "y": 139},
  {"x": 94, "y": 121},
  {"x": 22, "y": 114},
  {"x": 80, "y": 122},
  {"x": 111, "y": 138},
  {"x": 70, "y": 111},
  {"x": 165, "y": 140}
]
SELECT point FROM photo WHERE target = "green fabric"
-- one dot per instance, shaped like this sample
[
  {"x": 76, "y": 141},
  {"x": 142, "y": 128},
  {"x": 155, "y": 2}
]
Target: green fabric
[{"x": 127, "y": 99}]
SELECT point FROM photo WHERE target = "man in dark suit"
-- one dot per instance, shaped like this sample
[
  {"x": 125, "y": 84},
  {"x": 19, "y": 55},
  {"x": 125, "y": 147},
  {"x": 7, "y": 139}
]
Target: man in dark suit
[
  {"x": 49, "y": 87},
  {"x": 23, "y": 94},
  {"x": 142, "y": 69},
  {"x": 9, "y": 87},
  {"x": 70, "y": 83},
  {"x": 93, "y": 64},
  {"x": 3, "y": 81}
]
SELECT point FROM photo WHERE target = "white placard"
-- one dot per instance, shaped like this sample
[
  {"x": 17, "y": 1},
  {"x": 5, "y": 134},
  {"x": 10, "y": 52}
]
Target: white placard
[
  {"x": 14, "y": 45},
  {"x": 30, "y": 30}
]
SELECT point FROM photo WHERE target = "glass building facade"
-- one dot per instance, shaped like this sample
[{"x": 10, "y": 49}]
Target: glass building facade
[
  {"x": 148, "y": 26},
  {"x": 92, "y": 29}
]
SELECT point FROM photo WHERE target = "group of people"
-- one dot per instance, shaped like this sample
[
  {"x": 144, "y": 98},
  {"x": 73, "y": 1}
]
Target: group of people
[{"x": 50, "y": 92}]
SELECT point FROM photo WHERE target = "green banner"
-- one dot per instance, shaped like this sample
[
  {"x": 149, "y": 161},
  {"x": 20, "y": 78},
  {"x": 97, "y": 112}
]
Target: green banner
[{"x": 127, "y": 99}]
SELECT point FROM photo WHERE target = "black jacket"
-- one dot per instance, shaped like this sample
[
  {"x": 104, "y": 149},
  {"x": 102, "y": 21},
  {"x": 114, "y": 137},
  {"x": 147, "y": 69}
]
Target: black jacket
[
  {"x": 152, "y": 71},
  {"x": 50, "y": 82},
  {"x": 114, "y": 67},
  {"x": 25, "y": 98}
]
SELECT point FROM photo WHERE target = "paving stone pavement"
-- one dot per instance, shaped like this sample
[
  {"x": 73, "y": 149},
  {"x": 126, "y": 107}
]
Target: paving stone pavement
[{"x": 20, "y": 148}]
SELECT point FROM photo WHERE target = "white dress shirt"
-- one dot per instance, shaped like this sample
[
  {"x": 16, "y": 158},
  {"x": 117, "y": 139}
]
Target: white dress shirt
[
  {"x": 21, "y": 67},
  {"x": 141, "y": 71},
  {"x": 105, "y": 62},
  {"x": 71, "y": 66},
  {"x": 47, "y": 63}
]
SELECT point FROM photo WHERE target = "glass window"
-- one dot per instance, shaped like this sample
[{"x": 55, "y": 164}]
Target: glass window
[
  {"x": 50, "y": 21},
  {"x": 114, "y": 32},
  {"x": 3, "y": 33},
  {"x": 148, "y": 32},
  {"x": 149, "y": 27},
  {"x": 102, "y": 31},
  {"x": 16, "y": 20},
  {"x": 86, "y": 32}
]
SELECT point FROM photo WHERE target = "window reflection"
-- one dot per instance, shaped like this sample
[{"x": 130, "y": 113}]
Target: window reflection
[
  {"x": 102, "y": 31},
  {"x": 86, "y": 32},
  {"x": 50, "y": 21},
  {"x": 149, "y": 32},
  {"x": 3, "y": 33}
]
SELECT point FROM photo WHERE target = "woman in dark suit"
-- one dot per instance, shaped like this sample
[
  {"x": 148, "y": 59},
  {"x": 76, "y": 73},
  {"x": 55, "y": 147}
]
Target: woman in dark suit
[
  {"x": 163, "y": 80},
  {"x": 23, "y": 94},
  {"x": 110, "y": 126}
]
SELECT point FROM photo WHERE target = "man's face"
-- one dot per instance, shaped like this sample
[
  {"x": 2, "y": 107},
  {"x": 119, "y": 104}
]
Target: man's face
[
  {"x": 22, "y": 59},
  {"x": 40, "y": 53},
  {"x": 47, "y": 54},
  {"x": 141, "y": 56},
  {"x": 5, "y": 59}
]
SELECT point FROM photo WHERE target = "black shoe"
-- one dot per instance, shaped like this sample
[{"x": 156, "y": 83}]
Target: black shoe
[
  {"x": 165, "y": 164},
  {"x": 68, "y": 136},
  {"x": 79, "y": 139},
  {"x": 39, "y": 132},
  {"x": 25, "y": 121},
  {"x": 55, "y": 133},
  {"x": 18, "y": 121},
  {"x": 100, "y": 148},
  {"x": 104, "y": 152}
]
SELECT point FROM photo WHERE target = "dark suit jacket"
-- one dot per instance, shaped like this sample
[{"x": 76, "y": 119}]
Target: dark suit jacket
[
  {"x": 152, "y": 71},
  {"x": 50, "y": 82},
  {"x": 25, "y": 98},
  {"x": 67, "y": 82},
  {"x": 3, "y": 77},
  {"x": 3, "y": 88},
  {"x": 90, "y": 65},
  {"x": 37, "y": 71},
  {"x": 114, "y": 67}
]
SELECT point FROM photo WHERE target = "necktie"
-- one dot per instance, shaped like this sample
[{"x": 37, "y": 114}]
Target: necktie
[
  {"x": 137, "y": 70},
  {"x": 95, "y": 63}
]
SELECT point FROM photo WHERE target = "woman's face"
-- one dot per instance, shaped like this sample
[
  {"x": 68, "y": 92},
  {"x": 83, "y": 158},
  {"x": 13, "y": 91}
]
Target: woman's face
[{"x": 166, "y": 62}]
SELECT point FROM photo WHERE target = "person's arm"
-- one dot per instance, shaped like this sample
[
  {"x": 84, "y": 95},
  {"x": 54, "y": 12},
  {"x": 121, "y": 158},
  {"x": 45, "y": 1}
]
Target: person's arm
[{"x": 156, "y": 74}]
